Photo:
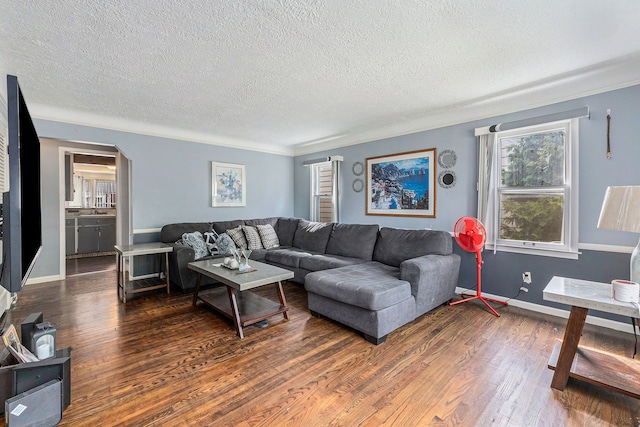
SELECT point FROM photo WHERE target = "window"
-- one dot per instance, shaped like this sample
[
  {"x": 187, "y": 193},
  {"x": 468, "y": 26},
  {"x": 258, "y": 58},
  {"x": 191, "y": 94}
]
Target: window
[
  {"x": 105, "y": 193},
  {"x": 322, "y": 207},
  {"x": 528, "y": 189}
]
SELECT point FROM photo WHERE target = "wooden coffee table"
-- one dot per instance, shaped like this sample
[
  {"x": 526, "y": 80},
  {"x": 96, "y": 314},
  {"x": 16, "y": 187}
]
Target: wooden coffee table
[{"x": 234, "y": 300}]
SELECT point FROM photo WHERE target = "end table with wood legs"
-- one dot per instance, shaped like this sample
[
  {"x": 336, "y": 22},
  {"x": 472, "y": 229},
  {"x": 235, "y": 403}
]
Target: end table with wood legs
[
  {"x": 619, "y": 374},
  {"x": 126, "y": 286}
]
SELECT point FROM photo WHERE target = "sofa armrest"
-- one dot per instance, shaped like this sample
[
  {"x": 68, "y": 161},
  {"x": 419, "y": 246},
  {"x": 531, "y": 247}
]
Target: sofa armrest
[
  {"x": 179, "y": 259},
  {"x": 433, "y": 279}
]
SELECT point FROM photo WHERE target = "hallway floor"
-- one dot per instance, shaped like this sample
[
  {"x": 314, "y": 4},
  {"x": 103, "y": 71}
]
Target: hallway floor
[{"x": 93, "y": 264}]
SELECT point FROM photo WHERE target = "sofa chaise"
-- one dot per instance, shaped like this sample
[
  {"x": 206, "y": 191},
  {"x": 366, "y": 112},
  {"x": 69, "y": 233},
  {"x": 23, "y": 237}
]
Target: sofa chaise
[{"x": 371, "y": 279}]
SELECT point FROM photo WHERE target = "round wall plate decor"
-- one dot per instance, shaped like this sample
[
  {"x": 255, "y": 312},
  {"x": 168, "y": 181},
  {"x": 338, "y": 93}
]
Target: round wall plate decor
[
  {"x": 447, "y": 158},
  {"x": 358, "y": 168},
  {"x": 358, "y": 185},
  {"x": 447, "y": 179}
]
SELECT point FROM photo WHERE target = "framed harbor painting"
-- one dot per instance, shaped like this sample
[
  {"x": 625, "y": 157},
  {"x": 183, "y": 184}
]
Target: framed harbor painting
[
  {"x": 402, "y": 184},
  {"x": 229, "y": 185}
]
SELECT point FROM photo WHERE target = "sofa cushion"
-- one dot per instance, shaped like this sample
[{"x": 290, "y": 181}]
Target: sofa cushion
[
  {"x": 327, "y": 261},
  {"x": 258, "y": 254},
  {"x": 312, "y": 236},
  {"x": 268, "y": 236},
  {"x": 288, "y": 257},
  {"x": 253, "y": 237},
  {"x": 369, "y": 285},
  {"x": 395, "y": 245},
  {"x": 222, "y": 226},
  {"x": 238, "y": 237},
  {"x": 286, "y": 230},
  {"x": 170, "y": 233},
  {"x": 262, "y": 221},
  {"x": 353, "y": 240}
]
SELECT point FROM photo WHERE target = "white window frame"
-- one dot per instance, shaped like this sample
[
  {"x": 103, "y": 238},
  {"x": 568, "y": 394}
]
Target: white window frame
[
  {"x": 491, "y": 183},
  {"x": 315, "y": 184}
]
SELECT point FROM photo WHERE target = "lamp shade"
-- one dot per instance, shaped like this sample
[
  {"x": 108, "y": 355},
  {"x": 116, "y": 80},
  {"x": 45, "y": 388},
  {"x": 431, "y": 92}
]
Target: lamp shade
[{"x": 621, "y": 209}]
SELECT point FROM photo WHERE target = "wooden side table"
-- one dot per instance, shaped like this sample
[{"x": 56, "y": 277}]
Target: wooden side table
[
  {"x": 595, "y": 367},
  {"x": 141, "y": 285}
]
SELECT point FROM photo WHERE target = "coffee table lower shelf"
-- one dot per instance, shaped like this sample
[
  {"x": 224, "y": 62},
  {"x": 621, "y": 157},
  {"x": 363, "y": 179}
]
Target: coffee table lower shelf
[
  {"x": 252, "y": 308},
  {"x": 602, "y": 369}
]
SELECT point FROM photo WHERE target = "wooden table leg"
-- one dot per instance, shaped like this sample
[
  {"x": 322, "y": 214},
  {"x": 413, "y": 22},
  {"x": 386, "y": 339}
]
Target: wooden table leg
[
  {"x": 124, "y": 278},
  {"x": 569, "y": 346},
  {"x": 283, "y": 300},
  {"x": 119, "y": 280},
  {"x": 234, "y": 309},
  {"x": 197, "y": 288},
  {"x": 166, "y": 273}
]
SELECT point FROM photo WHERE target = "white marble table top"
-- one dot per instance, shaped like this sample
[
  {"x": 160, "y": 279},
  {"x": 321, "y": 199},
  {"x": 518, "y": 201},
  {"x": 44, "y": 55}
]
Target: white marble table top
[{"x": 587, "y": 294}]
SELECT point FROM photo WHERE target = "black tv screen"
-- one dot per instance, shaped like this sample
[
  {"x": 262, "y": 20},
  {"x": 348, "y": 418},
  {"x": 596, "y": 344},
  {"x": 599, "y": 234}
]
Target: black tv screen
[{"x": 22, "y": 204}]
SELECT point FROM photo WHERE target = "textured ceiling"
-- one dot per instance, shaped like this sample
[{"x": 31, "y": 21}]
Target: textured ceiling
[{"x": 303, "y": 75}]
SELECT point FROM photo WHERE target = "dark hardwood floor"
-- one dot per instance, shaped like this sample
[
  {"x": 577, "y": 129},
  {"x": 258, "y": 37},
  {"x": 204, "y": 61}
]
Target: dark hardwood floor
[
  {"x": 92, "y": 264},
  {"x": 156, "y": 360}
]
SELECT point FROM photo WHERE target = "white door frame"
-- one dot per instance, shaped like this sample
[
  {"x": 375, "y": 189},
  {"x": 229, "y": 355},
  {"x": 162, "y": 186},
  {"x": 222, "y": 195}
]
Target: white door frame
[{"x": 62, "y": 150}]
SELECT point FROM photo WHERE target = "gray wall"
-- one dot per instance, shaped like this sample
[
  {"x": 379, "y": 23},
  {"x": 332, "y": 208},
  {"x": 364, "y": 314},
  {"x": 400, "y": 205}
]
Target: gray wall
[
  {"x": 171, "y": 182},
  {"x": 502, "y": 272},
  {"x": 48, "y": 263}
]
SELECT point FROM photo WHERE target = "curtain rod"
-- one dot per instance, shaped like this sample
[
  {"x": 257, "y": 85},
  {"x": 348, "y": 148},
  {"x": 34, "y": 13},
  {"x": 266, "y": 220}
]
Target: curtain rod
[
  {"x": 322, "y": 160},
  {"x": 564, "y": 115}
]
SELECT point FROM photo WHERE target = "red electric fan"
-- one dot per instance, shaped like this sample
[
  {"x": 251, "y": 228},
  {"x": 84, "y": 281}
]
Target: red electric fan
[{"x": 471, "y": 236}]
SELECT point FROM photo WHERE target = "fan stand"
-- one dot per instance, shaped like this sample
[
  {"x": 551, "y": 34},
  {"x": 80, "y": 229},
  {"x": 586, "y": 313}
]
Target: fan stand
[{"x": 478, "y": 294}]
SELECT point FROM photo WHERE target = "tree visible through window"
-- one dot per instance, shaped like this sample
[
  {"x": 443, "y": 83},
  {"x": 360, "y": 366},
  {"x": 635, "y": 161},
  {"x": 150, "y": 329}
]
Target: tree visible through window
[
  {"x": 527, "y": 188},
  {"x": 535, "y": 162}
]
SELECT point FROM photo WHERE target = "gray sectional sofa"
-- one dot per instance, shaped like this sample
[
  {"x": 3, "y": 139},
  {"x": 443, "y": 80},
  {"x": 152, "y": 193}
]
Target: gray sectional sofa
[{"x": 371, "y": 279}]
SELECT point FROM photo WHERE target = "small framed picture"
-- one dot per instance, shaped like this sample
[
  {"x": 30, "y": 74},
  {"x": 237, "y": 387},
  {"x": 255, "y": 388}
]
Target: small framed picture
[{"x": 229, "y": 185}]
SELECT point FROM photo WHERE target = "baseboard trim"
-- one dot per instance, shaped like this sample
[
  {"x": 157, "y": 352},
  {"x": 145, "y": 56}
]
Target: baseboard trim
[
  {"x": 43, "y": 279},
  {"x": 592, "y": 320}
]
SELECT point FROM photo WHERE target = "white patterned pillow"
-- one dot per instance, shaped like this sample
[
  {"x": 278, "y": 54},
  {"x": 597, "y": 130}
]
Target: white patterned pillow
[
  {"x": 195, "y": 240},
  {"x": 253, "y": 238},
  {"x": 268, "y": 236},
  {"x": 225, "y": 245},
  {"x": 238, "y": 237}
]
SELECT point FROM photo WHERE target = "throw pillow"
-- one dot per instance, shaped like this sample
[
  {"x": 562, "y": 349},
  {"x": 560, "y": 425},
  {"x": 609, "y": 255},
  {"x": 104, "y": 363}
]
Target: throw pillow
[
  {"x": 268, "y": 236},
  {"x": 238, "y": 237},
  {"x": 196, "y": 241},
  {"x": 253, "y": 237},
  {"x": 210, "y": 238},
  {"x": 225, "y": 244}
]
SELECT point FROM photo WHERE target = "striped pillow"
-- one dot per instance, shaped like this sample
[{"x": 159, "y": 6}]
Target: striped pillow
[
  {"x": 253, "y": 238},
  {"x": 268, "y": 236},
  {"x": 237, "y": 235}
]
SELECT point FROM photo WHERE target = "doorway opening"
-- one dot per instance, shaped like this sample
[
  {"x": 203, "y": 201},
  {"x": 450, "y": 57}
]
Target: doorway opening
[
  {"x": 94, "y": 207},
  {"x": 90, "y": 212}
]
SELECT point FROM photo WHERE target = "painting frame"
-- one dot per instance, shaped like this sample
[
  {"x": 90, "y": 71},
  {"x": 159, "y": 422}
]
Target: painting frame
[
  {"x": 228, "y": 194},
  {"x": 382, "y": 194}
]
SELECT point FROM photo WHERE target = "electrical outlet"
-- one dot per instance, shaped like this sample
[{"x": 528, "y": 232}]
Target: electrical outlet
[
  {"x": 522, "y": 288},
  {"x": 526, "y": 277}
]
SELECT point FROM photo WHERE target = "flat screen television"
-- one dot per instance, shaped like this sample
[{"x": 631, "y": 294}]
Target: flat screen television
[{"x": 22, "y": 204}]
